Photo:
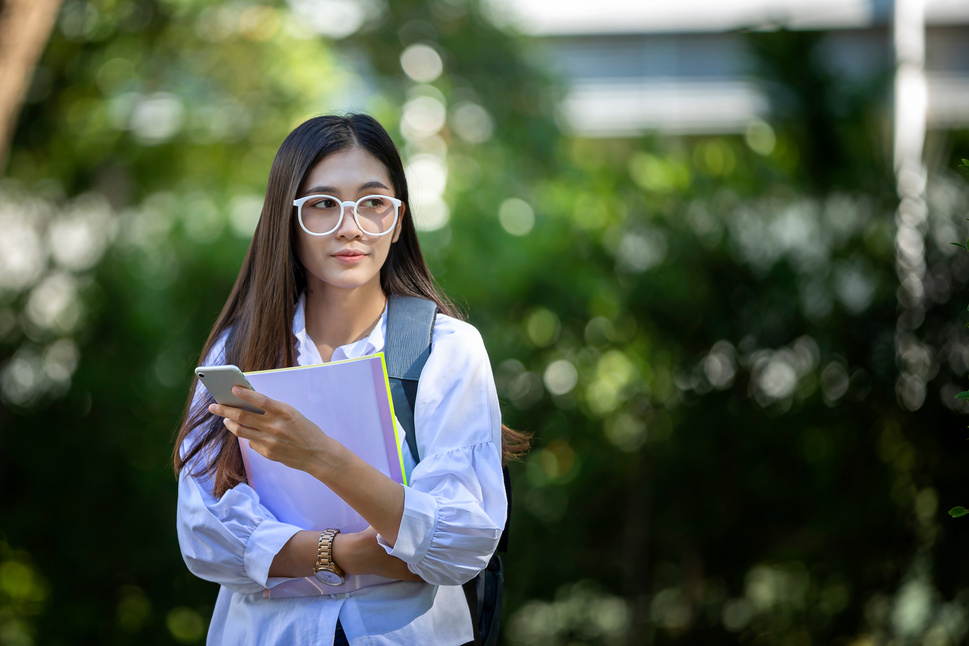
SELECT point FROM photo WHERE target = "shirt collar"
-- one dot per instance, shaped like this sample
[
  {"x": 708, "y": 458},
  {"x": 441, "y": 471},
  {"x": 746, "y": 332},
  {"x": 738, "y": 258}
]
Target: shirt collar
[{"x": 307, "y": 352}]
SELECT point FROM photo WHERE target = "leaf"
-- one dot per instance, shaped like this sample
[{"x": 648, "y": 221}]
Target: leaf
[
  {"x": 963, "y": 395},
  {"x": 956, "y": 512}
]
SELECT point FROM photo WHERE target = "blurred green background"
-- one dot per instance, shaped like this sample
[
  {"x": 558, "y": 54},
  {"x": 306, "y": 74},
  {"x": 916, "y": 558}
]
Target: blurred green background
[{"x": 745, "y": 431}]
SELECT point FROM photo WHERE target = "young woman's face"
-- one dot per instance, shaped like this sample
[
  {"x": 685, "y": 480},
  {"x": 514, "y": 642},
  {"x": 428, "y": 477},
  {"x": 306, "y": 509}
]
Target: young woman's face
[{"x": 348, "y": 258}]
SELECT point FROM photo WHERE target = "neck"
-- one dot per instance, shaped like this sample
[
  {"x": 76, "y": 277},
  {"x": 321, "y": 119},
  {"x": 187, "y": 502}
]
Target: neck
[{"x": 336, "y": 317}]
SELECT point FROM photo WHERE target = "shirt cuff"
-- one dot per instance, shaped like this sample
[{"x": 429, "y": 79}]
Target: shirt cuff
[
  {"x": 416, "y": 527},
  {"x": 265, "y": 542}
]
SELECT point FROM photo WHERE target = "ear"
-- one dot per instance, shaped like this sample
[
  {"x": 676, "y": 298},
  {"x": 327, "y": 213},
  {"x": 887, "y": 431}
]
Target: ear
[{"x": 400, "y": 221}]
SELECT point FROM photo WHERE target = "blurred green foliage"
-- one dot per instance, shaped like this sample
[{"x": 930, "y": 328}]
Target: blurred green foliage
[{"x": 699, "y": 331}]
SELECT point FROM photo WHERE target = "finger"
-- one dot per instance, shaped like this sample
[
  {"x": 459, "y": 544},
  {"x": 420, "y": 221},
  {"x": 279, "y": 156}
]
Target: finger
[
  {"x": 220, "y": 410},
  {"x": 256, "y": 398},
  {"x": 238, "y": 415},
  {"x": 238, "y": 429},
  {"x": 257, "y": 440}
]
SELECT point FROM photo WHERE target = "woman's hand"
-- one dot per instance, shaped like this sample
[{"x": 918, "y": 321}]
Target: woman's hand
[{"x": 282, "y": 434}]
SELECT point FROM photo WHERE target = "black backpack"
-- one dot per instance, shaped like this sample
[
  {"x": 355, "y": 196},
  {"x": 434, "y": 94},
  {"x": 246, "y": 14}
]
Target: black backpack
[{"x": 410, "y": 325}]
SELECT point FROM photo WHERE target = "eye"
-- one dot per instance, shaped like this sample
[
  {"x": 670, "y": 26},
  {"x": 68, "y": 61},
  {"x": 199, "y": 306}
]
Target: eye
[
  {"x": 322, "y": 203},
  {"x": 374, "y": 203}
]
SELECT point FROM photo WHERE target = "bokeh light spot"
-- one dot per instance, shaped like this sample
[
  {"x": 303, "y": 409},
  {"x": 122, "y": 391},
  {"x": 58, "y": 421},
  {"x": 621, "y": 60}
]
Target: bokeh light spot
[
  {"x": 641, "y": 250},
  {"x": 625, "y": 431},
  {"x": 22, "y": 254},
  {"x": 542, "y": 327},
  {"x": 53, "y": 304},
  {"x": 760, "y": 137},
  {"x": 516, "y": 216},
  {"x": 244, "y": 212},
  {"x": 185, "y": 625},
  {"x": 421, "y": 63},
  {"x": 560, "y": 377},
  {"x": 79, "y": 237},
  {"x": 157, "y": 118},
  {"x": 335, "y": 18},
  {"x": 134, "y": 609},
  {"x": 259, "y": 23},
  {"x": 472, "y": 122},
  {"x": 423, "y": 116}
]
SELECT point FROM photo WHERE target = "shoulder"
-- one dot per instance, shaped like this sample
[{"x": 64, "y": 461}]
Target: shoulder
[
  {"x": 457, "y": 404},
  {"x": 455, "y": 334},
  {"x": 457, "y": 350}
]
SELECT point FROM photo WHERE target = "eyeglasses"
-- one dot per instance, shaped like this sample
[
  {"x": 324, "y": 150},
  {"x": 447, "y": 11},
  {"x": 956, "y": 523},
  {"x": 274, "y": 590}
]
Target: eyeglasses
[{"x": 321, "y": 215}]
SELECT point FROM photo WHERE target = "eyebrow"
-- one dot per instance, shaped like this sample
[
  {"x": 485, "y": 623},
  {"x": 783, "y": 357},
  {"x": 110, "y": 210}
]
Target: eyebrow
[{"x": 330, "y": 189}]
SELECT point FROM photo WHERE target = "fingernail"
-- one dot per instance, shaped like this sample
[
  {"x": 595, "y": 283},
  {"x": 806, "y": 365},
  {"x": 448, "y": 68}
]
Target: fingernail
[{"x": 211, "y": 408}]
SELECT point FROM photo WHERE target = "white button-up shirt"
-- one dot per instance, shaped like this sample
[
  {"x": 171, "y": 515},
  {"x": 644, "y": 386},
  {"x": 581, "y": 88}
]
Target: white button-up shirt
[{"x": 454, "y": 511}]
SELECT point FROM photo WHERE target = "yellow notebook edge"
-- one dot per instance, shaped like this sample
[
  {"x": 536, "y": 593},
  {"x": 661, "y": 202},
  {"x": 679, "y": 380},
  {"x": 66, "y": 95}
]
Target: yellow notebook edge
[
  {"x": 393, "y": 417},
  {"x": 390, "y": 397}
]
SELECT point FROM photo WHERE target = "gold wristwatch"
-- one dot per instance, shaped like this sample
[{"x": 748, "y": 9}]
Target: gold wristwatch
[{"x": 328, "y": 572}]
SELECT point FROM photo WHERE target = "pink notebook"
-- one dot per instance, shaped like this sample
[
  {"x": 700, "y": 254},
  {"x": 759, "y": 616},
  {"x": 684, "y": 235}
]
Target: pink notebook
[{"x": 350, "y": 401}]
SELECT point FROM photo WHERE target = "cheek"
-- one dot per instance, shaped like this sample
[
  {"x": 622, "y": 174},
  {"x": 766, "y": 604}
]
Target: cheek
[
  {"x": 304, "y": 250},
  {"x": 385, "y": 252}
]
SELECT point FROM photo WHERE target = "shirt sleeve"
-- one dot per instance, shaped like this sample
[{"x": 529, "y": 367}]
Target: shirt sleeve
[
  {"x": 230, "y": 540},
  {"x": 455, "y": 506}
]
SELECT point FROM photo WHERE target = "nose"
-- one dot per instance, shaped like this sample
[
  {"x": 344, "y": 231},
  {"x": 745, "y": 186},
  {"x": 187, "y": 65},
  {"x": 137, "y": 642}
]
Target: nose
[{"x": 348, "y": 225}]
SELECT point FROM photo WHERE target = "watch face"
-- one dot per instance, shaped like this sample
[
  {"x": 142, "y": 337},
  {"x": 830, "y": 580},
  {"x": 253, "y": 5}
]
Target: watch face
[{"x": 329, "y": 578}]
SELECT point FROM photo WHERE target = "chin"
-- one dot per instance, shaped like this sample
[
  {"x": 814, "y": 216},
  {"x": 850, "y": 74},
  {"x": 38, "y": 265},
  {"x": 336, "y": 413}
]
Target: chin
[{"x": 350, "y": 282}]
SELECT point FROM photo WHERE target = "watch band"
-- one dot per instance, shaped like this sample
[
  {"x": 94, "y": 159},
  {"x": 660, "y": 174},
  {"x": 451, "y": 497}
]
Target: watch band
[{"x": 324, "y": 553}]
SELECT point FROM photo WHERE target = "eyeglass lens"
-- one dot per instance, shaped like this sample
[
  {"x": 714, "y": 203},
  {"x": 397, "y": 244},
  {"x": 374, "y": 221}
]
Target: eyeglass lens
[{"x": 374, "y": 213}]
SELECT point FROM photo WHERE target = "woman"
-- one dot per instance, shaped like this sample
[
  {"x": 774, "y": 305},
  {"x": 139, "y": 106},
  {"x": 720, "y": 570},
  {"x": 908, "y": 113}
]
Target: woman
[{"x": 334, "y": 240}]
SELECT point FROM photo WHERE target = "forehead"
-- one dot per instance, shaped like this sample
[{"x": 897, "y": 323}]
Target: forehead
[{"x": 347, "y": 170}]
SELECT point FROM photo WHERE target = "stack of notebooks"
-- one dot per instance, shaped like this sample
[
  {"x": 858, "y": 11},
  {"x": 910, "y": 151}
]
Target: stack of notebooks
[{"x": 350, "y": 401}]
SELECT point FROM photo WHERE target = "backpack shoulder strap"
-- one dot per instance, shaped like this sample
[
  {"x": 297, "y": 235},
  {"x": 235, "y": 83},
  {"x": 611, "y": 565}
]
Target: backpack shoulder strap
[{"x": 410, "y": 328}]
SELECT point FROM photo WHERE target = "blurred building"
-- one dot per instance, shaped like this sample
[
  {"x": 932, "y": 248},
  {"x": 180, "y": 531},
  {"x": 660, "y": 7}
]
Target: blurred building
[{"x": 638, "y": 66}]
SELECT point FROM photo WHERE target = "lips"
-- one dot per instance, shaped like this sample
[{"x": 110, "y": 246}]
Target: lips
[{"x": 350, "y": 256}]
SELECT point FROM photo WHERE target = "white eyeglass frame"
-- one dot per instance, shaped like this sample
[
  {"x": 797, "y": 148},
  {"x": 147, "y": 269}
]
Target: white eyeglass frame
[{"x": 298, "y": 203}]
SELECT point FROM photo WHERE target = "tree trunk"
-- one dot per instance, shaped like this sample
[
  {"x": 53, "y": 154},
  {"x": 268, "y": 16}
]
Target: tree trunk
[{"x": 25, "y": 26}]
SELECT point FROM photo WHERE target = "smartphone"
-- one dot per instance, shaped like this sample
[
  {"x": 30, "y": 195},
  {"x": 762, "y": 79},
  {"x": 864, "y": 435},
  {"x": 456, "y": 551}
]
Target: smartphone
[{"x": 219, "y": 380}]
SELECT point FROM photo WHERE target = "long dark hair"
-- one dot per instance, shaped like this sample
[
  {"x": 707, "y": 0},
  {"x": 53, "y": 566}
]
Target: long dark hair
[{"x": 260, "y": 308}]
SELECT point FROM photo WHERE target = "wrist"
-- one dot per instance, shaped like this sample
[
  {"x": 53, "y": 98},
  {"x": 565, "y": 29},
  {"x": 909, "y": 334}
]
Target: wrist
[
  {"x": 346, "y": 551},
  {"x": 326, "y": 569},
  {"x": 297, "y": 557},
  {"x": 328, "y": 460}
]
